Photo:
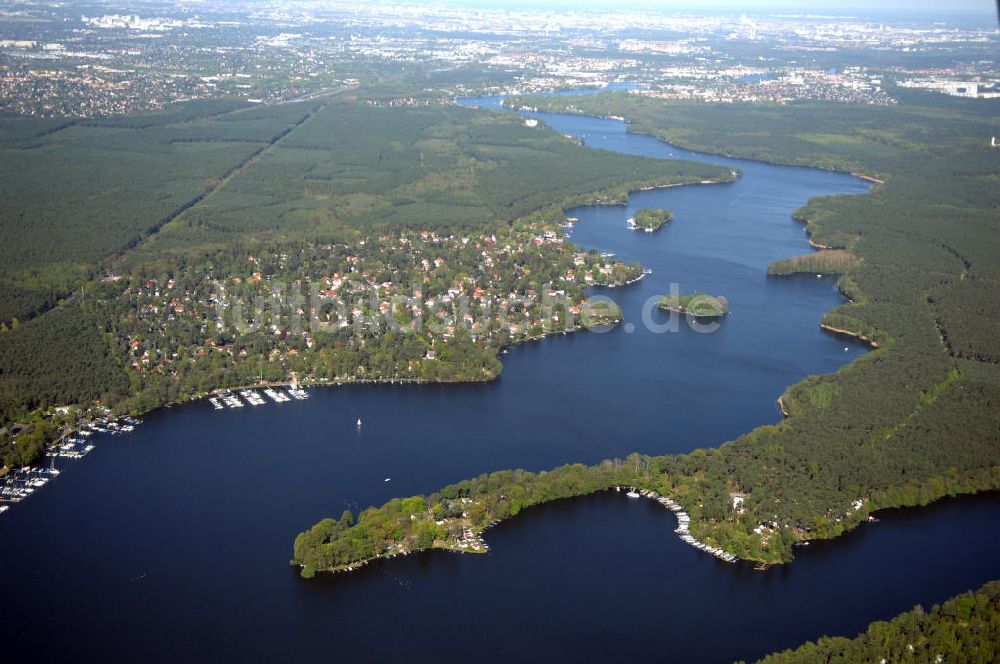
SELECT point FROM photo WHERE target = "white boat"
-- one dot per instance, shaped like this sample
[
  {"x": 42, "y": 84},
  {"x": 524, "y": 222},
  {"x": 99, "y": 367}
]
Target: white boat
[
  {"x": 276, "y": 396},
  {"x": 359, "y": 422},
  {"x": 632, "y": 494},
  {"x": 253, "y": 397}
]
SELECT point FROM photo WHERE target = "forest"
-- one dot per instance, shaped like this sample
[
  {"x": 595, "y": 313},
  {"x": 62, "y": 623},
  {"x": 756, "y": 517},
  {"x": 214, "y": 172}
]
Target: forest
[
  {"x": 80, "y": 192},
  {"x": 965, "y": 628},
  {"x": 825, "y": 261},
  {"x": 913, "y": 421},
  {"x": 352, "y": 165}
]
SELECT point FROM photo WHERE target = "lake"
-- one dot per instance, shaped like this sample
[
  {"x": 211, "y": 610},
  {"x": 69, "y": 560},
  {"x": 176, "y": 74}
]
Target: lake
[{"x": 173, "y": 542}]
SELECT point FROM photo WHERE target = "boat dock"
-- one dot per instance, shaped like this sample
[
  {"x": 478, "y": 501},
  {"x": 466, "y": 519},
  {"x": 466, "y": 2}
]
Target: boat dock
[
  {"x": 252, "y": 396},
  {"x": 277, "y": 396},
  {"x": 298, "y": 393},
  {"x": 20, "y": 483},
  {"x": 683, "y": 522},
  {"x": 231, "y": 400}
]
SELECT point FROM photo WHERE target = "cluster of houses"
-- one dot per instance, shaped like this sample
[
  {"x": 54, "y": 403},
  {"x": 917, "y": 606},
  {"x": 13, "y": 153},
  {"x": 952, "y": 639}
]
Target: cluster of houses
[
  {"x": 471, "y": 541},
  {"x": 436, "y": 283}
]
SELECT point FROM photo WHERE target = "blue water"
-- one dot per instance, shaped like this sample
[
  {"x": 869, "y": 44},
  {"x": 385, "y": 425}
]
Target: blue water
[{"x": 172, "y": 542}]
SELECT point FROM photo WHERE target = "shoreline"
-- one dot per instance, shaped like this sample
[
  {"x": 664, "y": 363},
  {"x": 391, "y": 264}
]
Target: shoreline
[
  {"x": 867, "y": 178},
  {"x": 848, "y": 333},
  {"x": 341, "y": 382},
  {"x": 632, "y": 128},
  {"x": 816, "y": 245},
  {"x": 678, "y": 511}
]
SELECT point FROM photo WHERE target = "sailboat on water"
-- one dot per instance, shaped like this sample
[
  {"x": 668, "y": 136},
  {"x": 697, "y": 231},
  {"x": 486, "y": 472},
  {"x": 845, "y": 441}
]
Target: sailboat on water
[{"x": 359, "y": 422}]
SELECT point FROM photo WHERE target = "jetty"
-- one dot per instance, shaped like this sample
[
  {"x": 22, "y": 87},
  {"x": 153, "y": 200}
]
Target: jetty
[
  {"x": 298, "y": 393},
  {"x": 683, "y": 523},
  {"x": 276, "y": 396},
  {"x": 253, "y": 397},
  {"x": 231, "y": 400},
  {"x": 20, "y": 483}
]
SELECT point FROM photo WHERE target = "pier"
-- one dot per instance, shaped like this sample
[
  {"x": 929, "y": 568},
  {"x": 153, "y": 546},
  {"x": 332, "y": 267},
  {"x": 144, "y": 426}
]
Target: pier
[
  {"x": 683, "y": 522},
  {"x": 252, "y": 396},
  {"x": 21, "y": 483}
]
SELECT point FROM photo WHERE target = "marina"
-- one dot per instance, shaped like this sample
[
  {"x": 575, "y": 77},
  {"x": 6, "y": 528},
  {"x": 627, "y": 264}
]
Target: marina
[
  {"x": 298, "y": 393},
  {"x": 252, "y": 396},
  {"x": 21, "y": 483},
  {"x": 683, "y": 522},
  {"x": 276, "y": 396},
  {"x": 231, "y": 400}
]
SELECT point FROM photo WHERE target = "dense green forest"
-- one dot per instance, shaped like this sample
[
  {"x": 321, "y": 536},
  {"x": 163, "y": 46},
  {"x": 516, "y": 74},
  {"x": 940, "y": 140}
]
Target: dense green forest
[
  {"x": 59, "y": 358},
  {"x": 78, "y": 192},
  {"x": 358, "y": 166},
  {"x": 825, "y": 261},
  {"x": 121, "y": 234},
  {"x": 965, "y": 629},
  {"x": 913, "y": 421}
]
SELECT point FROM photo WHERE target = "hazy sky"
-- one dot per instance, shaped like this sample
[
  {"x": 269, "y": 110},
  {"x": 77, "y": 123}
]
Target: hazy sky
[{"x": 799, "y": 6}]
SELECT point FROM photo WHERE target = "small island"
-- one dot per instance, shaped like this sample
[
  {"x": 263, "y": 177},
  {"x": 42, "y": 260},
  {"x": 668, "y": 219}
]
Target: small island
[
  {"x": 650, "y": 219},
  {"x": 698, "y": 304}
]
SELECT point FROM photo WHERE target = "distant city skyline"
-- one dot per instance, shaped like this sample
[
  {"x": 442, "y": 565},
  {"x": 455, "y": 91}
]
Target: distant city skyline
[{"x": 799, "y": 6}]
